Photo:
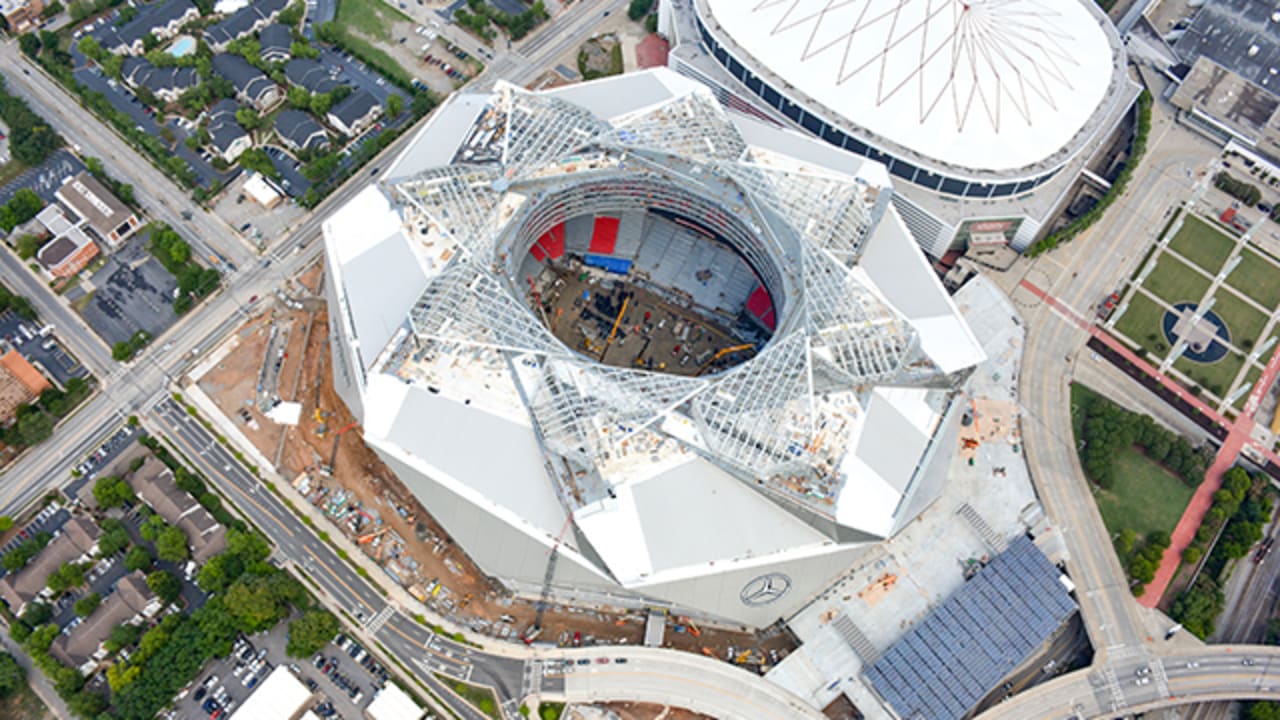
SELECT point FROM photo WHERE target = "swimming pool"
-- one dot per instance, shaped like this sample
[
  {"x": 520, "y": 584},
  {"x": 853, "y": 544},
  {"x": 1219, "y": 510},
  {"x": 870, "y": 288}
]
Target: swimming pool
[{"x": 182, "y": 45}]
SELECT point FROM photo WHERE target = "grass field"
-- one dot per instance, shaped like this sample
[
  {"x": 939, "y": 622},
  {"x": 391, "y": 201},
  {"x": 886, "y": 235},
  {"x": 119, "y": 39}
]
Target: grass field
[
  {"x": 1146, "y": 497},
  {"x": 1141, "y": 320},
  {"x": 1215, "y": 377},
  {"x": 372, "y": 18},
  {"x": 1201, "y": 243},
  {"x": 1255, "y": 276},
  {"x": 1243, "y": 320},
  {"x": 1175, "y": 281}
]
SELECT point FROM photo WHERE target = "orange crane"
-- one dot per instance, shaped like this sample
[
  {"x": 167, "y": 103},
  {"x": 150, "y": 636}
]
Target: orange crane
[
  {"x": 368, "y": 538},
  {"x": 721, "y": 353},
  {"x": 333, "y": 456},
  {"x": 616, "y": 322}
]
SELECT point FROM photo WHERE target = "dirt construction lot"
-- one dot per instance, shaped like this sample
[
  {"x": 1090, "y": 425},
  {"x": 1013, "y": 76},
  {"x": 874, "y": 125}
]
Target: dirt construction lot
[{"x": 363, "y": 498}]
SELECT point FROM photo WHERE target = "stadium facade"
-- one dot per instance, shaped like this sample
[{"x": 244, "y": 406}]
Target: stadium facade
[
  {"x": 984, "y": 111},
  {"x": 627, "y": 347}
]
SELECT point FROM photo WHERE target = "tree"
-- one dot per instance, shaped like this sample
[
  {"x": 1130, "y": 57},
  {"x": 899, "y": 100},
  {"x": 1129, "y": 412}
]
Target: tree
[
  {"x": 299, "y": 98},
  {"x": 25, "y": 204},
  {"x": 1126, "y": 542},
  {"x": 311, "y": 632},
  {"x": 30, "y": 44},
  {"x": 395, "y": 105},
  {"x": 85, "y": 606},
  {"x": 1263, "y": 711},
  {"x": 33, "y": 429},
  {"x": 171, "y": 545},
  {"x": 165, "y": 585},
  {"x": 112, "y": 491},
  {"x": 248, "y": 118},
  {"x": 86, "y": 704},
  {"x": 320, "y": 103},
  {"x": 28, "y": 245},
  {"x": 115, "y": 537},
  {"x": 12, "y": 676},
  {"x": 68, "y": 576},
  {"x": 423, "y": 102},
  {"x": 290, "y": 15},
  {"x": 152, "y": 527},
  {"x": 122, "y": 636},
  {"x": 6, "y": 523},
  {"x": 138, "y": 558}
]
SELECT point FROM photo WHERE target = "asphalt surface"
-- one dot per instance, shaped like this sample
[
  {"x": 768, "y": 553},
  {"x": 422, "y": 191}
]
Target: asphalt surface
[
  {"x": 52, "y": 358},
  {"x": 134, "y": 293},
  {"x": 45, "y": 178},
  {"x": 1125, "y": 636}
]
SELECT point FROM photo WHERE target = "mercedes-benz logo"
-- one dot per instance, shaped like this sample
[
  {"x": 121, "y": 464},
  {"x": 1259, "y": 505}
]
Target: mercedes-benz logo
[{"x": 765, "y": 589}]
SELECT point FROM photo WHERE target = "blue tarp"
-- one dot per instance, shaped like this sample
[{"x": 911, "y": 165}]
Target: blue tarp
[{"x": 621, "y": 266}]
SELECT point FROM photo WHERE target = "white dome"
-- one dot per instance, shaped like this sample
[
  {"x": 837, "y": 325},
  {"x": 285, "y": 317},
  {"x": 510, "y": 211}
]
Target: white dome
[{"x": 981, "y": 84}]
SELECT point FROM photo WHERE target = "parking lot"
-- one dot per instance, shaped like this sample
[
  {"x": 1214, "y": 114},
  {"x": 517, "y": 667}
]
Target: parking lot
[
  {"x": 44, "y": 351},
  {"x": 45, "y": 178},
  {"x": 124, "y": 101},
  {"x": 50, "y": 520},
  {"x": 238, "y": 210},
  {"x": 225, "y": 684},
  {"x": 132, "y": 292}
]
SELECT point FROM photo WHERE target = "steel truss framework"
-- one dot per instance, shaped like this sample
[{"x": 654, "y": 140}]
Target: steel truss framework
[{"x": 807, "y": 229}]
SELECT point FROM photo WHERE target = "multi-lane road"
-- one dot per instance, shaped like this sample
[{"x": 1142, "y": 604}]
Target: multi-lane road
[
  {"x": 1118, "y": 627},
  {"x": 514, "y": 672}
]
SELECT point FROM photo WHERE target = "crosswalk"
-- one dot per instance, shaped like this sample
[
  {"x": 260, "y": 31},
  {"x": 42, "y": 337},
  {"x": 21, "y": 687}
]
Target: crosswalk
[{"x": 374, "y": 624}]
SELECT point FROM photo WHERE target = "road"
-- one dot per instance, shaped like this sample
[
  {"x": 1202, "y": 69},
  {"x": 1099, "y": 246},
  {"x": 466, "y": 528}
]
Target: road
[
  {"x": 1052, "y": 348},
  {"x": 71, "y": 328},
  {"x": 648, "y": 675},
  {"x": 155, "y": 192},
  {"x": 1125, "y": 637}
]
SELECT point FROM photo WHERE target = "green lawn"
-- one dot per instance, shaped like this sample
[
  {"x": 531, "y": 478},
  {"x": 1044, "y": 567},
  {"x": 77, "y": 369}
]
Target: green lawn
[
  {"x": 1256, "y": 276},
  {"x": 1215, "y": 377},
  {"x": 481, "y": 698},
  {"x": 1175, "y": 281},
  {"x": 1141, "y": 324},
  {"x": 1243, "y": 320},
  {"x": 372, "y": 18},
  {"x": 1146, "y": 496},
  {"x": 1201, "y": 243}
]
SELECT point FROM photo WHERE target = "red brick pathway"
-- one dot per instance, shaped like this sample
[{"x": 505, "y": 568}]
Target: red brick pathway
[{"x": 1239, "y": 435}]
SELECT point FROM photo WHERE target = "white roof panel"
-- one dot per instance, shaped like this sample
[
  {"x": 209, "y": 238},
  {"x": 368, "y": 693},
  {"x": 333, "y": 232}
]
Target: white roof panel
[
  {"x": 392, "y": 703},
  {"x": 983, "y": 84},
  {"x": 491, "y": 455},
  {"x": 902, "y": 274},
  {"x": 279, "y": 697}
]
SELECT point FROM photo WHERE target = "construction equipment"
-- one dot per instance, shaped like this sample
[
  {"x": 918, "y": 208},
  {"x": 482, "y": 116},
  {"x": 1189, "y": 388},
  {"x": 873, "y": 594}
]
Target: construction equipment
[
  {"x": 541, "y": 605},
  {"x": 333, "y": 456},
  {"x": 722, "y": 353},
  {"x": 616, "y": 322},
  {"x": 368, "y": 538}
]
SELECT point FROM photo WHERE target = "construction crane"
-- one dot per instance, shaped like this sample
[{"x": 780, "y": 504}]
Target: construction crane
[
  {"x": 333, "y": 456},
  {"x": 370, "y": 537},
  {"x": 616, "y": 322},
  {"x": 722, "y": 353},
  {"x": 541, "y": 605}
]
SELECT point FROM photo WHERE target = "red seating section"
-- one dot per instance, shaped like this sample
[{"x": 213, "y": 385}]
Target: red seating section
[
  {"x": 550, "y": 245},
  {"x": 604, "y": 236},
  {"x": 761, "y": 307}
]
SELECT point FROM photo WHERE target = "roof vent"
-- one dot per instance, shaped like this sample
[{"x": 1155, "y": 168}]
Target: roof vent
[{"x": 1253, "y": 50}]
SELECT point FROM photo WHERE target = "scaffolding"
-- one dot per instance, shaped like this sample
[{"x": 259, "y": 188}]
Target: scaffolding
[{"x": 533, "y": 162}]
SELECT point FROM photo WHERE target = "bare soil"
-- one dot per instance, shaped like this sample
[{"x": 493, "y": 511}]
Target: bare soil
[{"x": 374, "y": 506}]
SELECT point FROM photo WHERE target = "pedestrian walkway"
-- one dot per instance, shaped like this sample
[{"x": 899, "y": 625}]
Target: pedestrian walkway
[{"x": 1238, "y": 436}]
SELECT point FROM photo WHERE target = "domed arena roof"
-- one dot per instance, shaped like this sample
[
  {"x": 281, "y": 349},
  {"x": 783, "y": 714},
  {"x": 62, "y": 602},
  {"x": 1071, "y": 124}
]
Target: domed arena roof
[{"x": 984, "y": 84}]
